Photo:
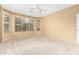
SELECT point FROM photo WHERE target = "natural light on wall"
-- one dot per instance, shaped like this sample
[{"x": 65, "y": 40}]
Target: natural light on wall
[{"x": 77, "y": 29}]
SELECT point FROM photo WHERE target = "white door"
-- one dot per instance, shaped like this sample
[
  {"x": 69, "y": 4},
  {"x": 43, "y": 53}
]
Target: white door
[{"x": 77, "y": 28}]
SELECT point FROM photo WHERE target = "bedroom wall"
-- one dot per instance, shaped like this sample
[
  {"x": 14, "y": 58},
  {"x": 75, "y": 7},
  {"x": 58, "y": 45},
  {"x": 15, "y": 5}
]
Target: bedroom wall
[{"x": 61, "y": 25}]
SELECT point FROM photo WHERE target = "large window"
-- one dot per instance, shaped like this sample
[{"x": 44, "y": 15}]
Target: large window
[
  {"x": 30, "y": 25},
  {"x": 23, "y": 24},
  {"x": 18, "y": 24},
  {"x": 6, "y": 23}
]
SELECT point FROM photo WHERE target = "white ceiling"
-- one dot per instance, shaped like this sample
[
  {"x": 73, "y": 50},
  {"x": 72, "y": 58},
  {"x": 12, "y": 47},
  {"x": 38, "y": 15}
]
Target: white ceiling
[{"x": 25, "y": 8}]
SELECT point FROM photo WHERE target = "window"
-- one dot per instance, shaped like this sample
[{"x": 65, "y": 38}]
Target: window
[
  {"x": 30, "y": 25},
  {"x": 6, "y": 23},
  {"x": 38, "y": 25},
  {"x": 18, "y": 22},
  {"x": 23, "y": 24},
  {"x": 27, "y": 24}
]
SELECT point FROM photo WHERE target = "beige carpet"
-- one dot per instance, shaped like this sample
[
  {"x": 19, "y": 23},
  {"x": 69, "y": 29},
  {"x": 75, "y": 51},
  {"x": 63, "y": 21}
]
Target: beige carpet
[{"x": 37, "y": 46}]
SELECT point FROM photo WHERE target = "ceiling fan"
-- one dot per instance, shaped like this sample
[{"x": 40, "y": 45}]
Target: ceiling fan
[{"x": 37, "y": 9}]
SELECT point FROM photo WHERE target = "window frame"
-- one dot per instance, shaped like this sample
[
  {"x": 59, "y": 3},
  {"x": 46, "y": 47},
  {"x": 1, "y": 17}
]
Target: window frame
[
  {"x": 18, "y": 24},
  {"x": 24, "y": 25},
  {"x": 6, "y": 22},
  {"x": 38, "y": 28}
]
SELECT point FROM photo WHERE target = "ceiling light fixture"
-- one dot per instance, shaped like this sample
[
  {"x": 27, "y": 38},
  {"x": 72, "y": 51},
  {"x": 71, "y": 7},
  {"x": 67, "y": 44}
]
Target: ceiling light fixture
[{"x": 37, "y": 10}]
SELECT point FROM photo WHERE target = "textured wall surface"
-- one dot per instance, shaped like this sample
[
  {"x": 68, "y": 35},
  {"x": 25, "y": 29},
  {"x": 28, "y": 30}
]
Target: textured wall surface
[{"x": 61, "y": 25}]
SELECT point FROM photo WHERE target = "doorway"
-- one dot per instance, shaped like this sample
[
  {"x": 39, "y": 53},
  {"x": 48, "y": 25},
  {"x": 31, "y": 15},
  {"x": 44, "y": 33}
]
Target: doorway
[{"x": 77, "y": 28}]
